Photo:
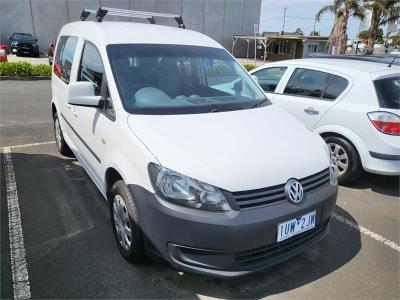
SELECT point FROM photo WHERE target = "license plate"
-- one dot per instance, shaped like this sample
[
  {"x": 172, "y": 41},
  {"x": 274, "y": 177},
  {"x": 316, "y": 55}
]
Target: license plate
[{"x": 295, "y": 226}]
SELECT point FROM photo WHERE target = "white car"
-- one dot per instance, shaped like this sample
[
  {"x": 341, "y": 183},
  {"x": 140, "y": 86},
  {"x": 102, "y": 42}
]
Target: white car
[
  {"x": 353, "y": 104},
  {"x": 198, "y": 167}
]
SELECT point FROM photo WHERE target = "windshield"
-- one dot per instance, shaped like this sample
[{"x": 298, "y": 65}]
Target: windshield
[
  {"x": 22, "y": 37},
  {"x": 388, "y": 90},
  {"x": 174, "y": 79}
]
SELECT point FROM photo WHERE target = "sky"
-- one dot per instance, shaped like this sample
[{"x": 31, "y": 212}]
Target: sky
[{"x": 300, "y": 13}]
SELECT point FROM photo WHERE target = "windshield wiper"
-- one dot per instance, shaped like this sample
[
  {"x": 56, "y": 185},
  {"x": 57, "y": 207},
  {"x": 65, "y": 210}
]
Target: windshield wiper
[{"x": 258, "y": 104}]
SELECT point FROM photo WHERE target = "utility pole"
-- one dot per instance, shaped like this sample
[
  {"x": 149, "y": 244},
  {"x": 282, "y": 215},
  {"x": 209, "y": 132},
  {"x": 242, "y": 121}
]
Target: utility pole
[{"x": 284, "y": 18}]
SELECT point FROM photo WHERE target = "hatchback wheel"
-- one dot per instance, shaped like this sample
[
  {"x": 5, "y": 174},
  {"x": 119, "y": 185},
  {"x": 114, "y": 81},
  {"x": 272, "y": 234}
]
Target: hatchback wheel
[
  {"x": 61, "y": 144},
  {"x": 344, "y": 159},
  {"x": 125, "y": 222}
]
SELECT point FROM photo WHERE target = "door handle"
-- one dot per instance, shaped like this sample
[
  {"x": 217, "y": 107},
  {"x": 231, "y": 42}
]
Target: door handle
[{"x": 311, "y": 111}]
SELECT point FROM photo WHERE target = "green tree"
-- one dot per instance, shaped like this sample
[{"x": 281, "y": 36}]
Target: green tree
[
  {"x": 364, "y": 35},
  {"x": 396, "y": 40},
  {"x": 314, "y": 33},
  {"x": 342, "y": 10},
  {"x": 383, "y": 12},
  {"x": 299, "y": 31}
]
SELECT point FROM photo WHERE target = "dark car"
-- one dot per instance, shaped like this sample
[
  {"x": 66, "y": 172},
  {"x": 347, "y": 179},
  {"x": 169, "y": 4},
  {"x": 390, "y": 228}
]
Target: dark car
[
  {"x": 23, "y": 44},
  {"x": 50, "y": 51}
]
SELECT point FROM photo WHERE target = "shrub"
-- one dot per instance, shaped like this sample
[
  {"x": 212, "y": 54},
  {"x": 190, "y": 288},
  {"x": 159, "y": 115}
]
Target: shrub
[
  {"x": 249, "y": 67},
  {"x": 22, "y": 68},
  {"x": 41, "y": 70}
]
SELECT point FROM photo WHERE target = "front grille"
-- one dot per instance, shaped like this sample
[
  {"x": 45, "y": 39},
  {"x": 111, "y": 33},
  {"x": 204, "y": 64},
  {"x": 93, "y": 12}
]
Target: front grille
[
  {"x": 273, "y": 194},
  {"x": 261, "y": 254}
]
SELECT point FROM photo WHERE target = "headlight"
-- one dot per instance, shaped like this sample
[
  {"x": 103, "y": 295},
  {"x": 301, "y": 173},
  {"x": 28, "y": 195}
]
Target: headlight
[
  {"x": 34, "y": 45},
  {"x": 183, "y": 190},
  {"x": 14, "y": 43}
]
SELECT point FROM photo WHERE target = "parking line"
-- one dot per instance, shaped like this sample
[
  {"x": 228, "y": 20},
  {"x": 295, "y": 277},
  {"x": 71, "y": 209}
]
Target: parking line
[
  {"x": 367, "y": 232},
  {"x": 19, "y": 268},
  {"x": 27, "y": 145}
]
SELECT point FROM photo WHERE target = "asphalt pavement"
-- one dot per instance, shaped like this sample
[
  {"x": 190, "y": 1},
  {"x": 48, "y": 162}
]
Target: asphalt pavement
[{"x": 71, "y": 253}]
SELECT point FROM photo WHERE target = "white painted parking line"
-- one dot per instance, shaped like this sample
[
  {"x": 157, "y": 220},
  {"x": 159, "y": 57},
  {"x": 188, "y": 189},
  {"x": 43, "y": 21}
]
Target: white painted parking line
[
  {"x": 27, "y": 145},
  {"x": 19, "y": 268},
  {"x": 367, "y": 232}
]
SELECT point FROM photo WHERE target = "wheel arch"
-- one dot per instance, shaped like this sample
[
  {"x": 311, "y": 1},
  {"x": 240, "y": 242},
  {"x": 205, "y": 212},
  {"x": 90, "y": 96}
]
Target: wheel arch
[
  {"x": 349, "y": 136},
  {"x": 112, "y": 175}
]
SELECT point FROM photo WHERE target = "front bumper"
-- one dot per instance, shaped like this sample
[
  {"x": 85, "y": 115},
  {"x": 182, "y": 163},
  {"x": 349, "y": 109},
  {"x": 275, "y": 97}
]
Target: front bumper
[{"x": 228, "y": 244}]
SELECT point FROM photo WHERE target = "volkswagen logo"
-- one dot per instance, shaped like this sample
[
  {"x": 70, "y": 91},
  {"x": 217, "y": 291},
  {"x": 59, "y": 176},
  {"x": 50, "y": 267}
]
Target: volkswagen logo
[{"x": 294, "y": 191}]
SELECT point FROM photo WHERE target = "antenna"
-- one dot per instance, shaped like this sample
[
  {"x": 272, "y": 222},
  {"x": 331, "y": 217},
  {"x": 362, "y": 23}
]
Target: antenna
[{"x": 396, "y": 56}]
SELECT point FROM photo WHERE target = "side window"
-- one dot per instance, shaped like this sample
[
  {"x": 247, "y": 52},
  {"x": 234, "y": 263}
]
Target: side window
[
  {"x": 336, "y": 87},
  {"x": 308, "y": 83},
  {"x": 91, "y": 67},
  {"x": 269, "y": 78},
  {"x": 64, "y": 57}
]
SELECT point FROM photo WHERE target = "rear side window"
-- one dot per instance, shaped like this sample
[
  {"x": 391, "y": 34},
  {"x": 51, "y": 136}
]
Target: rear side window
[
  {"x": 91, "y": 68},
  {"x": 388, "y": 90},
  {"x": 316, "y": 84},
  {"x": 336, "y": 87},
  {"x": 269, "y": 78},
  {"x": 64, "y": 57}
]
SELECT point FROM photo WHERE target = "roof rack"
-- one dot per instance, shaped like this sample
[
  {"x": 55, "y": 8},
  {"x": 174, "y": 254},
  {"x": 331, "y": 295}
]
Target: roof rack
[
  {"x": 101, "y": 12},
  {"x": 384, "y": 59}
]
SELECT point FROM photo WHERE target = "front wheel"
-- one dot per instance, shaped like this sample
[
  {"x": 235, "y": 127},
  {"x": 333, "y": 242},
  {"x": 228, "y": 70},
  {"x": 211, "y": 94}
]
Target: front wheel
[
  {"x": 344, "y": 159},
  {"x": 126, "y": 225}
]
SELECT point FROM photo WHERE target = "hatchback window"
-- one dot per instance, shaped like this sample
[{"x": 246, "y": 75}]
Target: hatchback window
[
  {"x": 91, "y": 68},
  {"x": 64, "y": 57},
  {"x": 269, "y": 78},
  {"x": 388, "y": 90},
  {"x": 310, "y": 83},
  {"x": 174, "y": 79}
]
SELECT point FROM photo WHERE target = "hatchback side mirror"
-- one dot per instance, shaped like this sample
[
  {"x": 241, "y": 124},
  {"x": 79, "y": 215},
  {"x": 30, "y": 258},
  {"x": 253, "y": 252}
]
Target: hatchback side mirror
[{"x": 82, "y": 94}]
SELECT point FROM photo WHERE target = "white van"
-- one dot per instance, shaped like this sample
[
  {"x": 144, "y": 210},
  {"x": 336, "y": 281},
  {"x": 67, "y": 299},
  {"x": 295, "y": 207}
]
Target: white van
[{"x": 197, "y": 165}]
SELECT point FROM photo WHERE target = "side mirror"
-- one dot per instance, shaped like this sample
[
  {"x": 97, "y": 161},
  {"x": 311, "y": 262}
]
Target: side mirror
[
  {"x": 35, "y": 40},
  {"x": 255, "y": 78},
  {"x": 10, "y": 38},
  {"x": 82, "y": 94}
]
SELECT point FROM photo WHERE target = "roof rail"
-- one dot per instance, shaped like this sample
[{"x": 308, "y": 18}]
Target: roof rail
[
  {"x": 384, "y": 59},
  {"x": 101, "y": 12}
]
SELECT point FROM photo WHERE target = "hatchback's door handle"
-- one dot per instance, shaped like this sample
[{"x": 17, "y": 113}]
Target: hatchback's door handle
[{"x": 311, "y": 111}]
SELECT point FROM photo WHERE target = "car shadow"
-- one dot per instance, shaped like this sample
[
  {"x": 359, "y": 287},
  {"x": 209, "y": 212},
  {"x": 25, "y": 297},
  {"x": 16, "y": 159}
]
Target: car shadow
[
  {"x": 386, "y": 185},
  {"x": 104, "y": 272}
]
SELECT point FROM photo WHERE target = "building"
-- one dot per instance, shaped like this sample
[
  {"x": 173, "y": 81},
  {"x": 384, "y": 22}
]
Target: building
[
  {"x": 278, "y": 46},
  {"x": 44, "y": 18}
]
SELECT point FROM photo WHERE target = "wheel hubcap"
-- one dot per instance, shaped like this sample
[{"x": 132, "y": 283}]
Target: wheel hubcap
[
  {"x": 339, "y": 158},
  {"x": 121, "y": 222},
  {"x": 57, "y": 132}
]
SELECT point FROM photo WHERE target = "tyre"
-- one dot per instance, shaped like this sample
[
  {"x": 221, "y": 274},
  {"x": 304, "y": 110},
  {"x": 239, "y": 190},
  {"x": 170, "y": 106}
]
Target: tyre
[
  {"x": 61, "y": 144},
  {"x": 344, "y": 159},
  {"x": 126, "y": 224}
]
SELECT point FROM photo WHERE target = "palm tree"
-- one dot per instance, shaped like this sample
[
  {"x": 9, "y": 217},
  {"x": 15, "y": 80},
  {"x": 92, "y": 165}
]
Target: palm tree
[
  {"x": 383, "y": 12},
  {"x": 343, "y": 10}
]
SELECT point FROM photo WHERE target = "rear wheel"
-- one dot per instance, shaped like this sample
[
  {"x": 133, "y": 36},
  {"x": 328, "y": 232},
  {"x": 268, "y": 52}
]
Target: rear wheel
[
  {"x": 126, "y": 224},
  {"x": 344, "y": 159},
  {"x": 61, "y": 144}
]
